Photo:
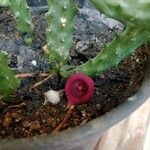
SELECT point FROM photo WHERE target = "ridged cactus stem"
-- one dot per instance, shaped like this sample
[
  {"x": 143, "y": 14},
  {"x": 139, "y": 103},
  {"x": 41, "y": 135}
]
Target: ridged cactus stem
[
  {"x": 129, "y": 12},
  {"x": 135, "y": 14},
  {"x": 110, "y": 56},
  {"x": 60, "y": 19},
  {"x": 8, "y": 81},
  {"x": 4, "y": 3},
  {"x": 22, "y": 15}
]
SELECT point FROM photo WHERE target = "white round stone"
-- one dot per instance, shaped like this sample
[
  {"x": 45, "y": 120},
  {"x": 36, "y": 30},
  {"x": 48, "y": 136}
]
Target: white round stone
[
  {"x": 34, "y": 62},
  {"x": 52, "y": 97}
]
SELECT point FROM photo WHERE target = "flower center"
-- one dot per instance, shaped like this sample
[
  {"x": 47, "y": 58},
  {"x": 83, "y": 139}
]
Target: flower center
[{"x": 79, "y": 88}]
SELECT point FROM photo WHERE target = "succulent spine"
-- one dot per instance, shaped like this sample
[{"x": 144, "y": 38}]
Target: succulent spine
[
  {"x": 60, "y": 19},
  {"x": 135, "y": 15},
  {"x": 8, "y": 81}
]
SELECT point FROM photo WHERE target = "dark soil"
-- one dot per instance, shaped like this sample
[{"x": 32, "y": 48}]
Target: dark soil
[{"x": 26, "y": 116}]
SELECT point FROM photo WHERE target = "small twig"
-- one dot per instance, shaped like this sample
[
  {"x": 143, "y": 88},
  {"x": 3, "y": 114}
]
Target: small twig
[
  {"x": 42, "y": 81},
  {"x": 61, "y": 125},
  {"x": 84, "y": 121},
  {"x": 18, "y": 106},
  {"x": 18, "y": 37},
  {"x": 25, "y": 75},
  {"x": 45, "y": 49},
  {"x": 28, "y": 75}
]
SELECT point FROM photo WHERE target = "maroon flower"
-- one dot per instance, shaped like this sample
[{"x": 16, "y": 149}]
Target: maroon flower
[{"x": 79, "y": 89}]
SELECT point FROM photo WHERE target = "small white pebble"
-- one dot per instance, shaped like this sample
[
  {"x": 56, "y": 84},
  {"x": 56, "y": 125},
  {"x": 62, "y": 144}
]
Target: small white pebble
[
  {"x": 132, "y": 98},
  {"x": 34, "y": 62},
  {"x": 98, "y": 105},
  {"x": 102, "y": 76},
  {"x": 137, "y": 60},
  {"x": 52, "y": 97}
]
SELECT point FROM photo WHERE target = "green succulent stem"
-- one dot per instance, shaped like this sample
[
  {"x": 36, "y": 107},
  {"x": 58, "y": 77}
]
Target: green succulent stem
[
  {"x": 21, "y": 14},
  {"x": 60, "y": 19},
  {"x": 129, "y": 12},
  {"x": 8, "y": 81},
  {"x": 4, "y": 3},
  {"x": 121, "y": 47},
  {"x": 135, "y": 14}
]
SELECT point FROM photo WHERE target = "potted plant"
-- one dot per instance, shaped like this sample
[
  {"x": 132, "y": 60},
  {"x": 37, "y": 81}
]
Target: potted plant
[{"x": 24, "y": 115}]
